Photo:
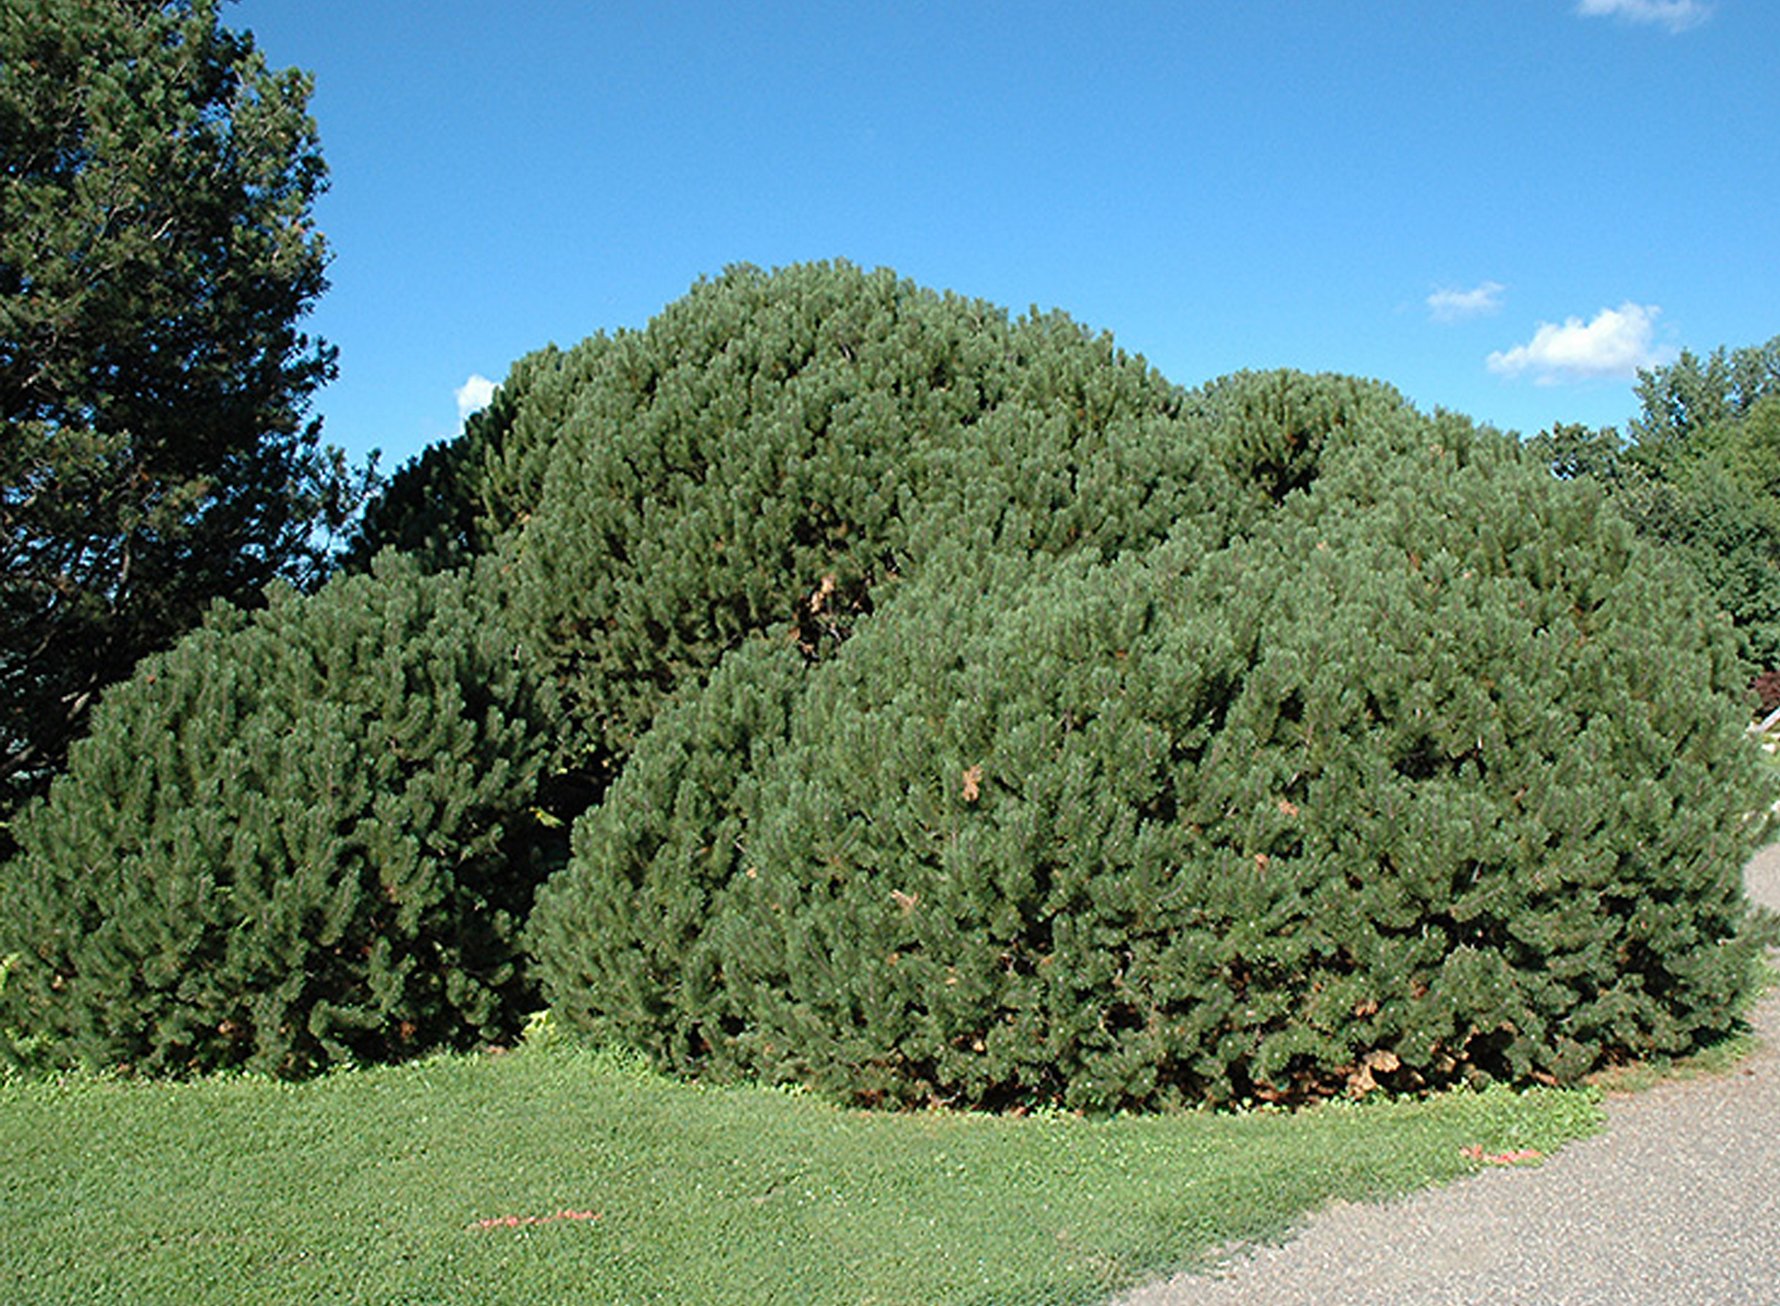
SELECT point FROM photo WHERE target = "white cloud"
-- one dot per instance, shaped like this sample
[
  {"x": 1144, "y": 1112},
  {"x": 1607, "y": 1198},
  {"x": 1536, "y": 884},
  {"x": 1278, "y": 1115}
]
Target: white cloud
[
  {"x": 1676, "y": 15},
  {"x": 1616, "y": 342},
  {"x": 473, "y": 395},
  {"x": 1456, "y": 305}
]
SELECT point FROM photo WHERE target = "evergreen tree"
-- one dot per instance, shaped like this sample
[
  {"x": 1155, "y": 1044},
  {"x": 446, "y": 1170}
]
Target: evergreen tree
[
  {"x": 156, "y": 254},
  {"x": 297, "y": 838},
  {"x": 776, "y": 446},
  {"x": 1434, "y": 773}
]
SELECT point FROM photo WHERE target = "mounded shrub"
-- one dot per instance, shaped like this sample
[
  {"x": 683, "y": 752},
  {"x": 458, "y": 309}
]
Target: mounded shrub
[
  {"x": 298, "y": 838},
  {"x": 979, "y": 719},
  {"x": 1269, "y": 430},
  {"x": 867, "y": 929},
  {"x": 621, "y": 936},
  {"x": 774, "y": 446},
  {"x": 454, "y": 501},
  {"x": 1495, "y": 747},
  {"x": 1436, "y": 775}
]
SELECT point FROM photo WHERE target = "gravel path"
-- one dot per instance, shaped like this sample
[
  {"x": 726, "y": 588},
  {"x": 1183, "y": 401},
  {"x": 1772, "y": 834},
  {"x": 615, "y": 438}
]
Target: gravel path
[{"x": 1676, "y": 1202}]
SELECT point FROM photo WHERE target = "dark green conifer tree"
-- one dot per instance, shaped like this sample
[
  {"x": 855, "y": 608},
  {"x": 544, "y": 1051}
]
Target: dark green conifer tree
[{"x": 157, "y": 256}]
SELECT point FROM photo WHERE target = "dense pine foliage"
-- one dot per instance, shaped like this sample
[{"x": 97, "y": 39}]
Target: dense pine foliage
[
  {"x": 1402, "y": 787},
  {"x": 773, "y": 447},
  {"x": 961, "y": 712},
  {"x": 295, "y": 839},
  {"x": 459, "y": 498}
]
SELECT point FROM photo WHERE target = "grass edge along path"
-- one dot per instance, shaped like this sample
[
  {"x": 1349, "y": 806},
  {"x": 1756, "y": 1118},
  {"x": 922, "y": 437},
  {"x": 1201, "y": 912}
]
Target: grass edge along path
[{"x": 556, "y": 1174}]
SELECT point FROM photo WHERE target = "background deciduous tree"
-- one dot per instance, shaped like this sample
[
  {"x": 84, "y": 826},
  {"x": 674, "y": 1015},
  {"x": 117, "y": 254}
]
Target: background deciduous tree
[
  {"x": 1699, "y": 470},
  {"x": 157, "y": 252}
]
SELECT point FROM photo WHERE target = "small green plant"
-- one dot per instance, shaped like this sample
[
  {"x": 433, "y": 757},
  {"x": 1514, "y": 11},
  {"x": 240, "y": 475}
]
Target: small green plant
[{"x": 20, "y": 1054}]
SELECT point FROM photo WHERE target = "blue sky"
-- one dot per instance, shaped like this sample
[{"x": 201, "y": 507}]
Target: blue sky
[{"x": 1502, "y": 207}]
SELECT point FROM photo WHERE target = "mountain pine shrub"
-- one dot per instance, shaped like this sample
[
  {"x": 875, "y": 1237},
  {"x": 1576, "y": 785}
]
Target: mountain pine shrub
[
  {"x": 775, "y": 446},
  {"x": 1268, "y": 430},
  {"x": 621, "y": 936},
  {"x": 298, "y": 838},
  {"x": 457, "y": 500},
  {"x": 1435, "y": 774},
  {"x": 1494, "y": 744}
]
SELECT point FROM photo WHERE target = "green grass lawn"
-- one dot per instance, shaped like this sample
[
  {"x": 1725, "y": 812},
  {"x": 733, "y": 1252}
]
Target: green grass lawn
[{"x": 378, "y": 1187}]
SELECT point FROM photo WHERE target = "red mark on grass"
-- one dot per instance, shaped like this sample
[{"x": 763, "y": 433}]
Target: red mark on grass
[
  {"x": 515, "y": 1221},
  {"x": 1476, "y": 1153}
]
